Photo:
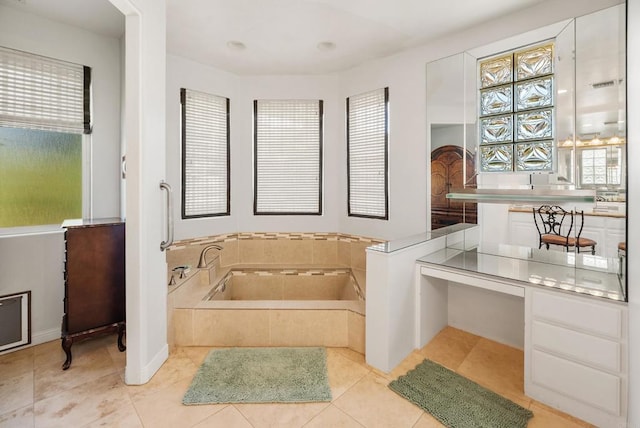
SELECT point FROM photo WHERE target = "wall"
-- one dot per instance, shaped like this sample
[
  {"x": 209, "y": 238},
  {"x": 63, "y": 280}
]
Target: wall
[
  {"x": 35, "y": 262},
  {"x": 242, "y": 91}
]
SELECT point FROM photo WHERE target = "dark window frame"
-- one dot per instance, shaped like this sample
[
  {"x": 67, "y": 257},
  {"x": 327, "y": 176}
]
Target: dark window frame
[
  {"x": 350, "y": 213},
  {"x": 320, "y": 165},
  {"x": 183, "y": 138}
]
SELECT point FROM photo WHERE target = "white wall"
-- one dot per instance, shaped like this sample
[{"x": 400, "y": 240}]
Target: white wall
[{"x": 34, "y": 262}]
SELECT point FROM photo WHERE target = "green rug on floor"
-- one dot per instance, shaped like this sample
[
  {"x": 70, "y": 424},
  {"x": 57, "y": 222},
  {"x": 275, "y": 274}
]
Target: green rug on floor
[
  {"x": 456, "y": 401},
  {"x": 261, "y": 375}
]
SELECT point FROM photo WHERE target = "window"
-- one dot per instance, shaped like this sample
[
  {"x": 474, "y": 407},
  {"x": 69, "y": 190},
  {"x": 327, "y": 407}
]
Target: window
[
  {"x": 600, "y": 167},
  {"x": 44, "y": 110},
  {"x": 516, "y": 111},
  {"x": 205, "y": 155},
  {"x": 367, "y": 142},
  {"x": 288, "y": 157}
]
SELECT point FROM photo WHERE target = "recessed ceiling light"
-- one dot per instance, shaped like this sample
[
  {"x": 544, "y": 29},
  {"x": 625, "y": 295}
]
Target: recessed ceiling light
[
  {"x": 326, "y": 46},
  {"x": 235, "y": 45}
]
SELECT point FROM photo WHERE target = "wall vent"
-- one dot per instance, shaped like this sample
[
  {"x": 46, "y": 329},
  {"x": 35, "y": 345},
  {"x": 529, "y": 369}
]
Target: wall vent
[{"x": 15, "y": 319}]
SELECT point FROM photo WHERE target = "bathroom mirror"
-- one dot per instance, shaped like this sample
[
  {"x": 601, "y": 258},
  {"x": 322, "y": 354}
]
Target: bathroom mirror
[{"x": 585, "y": 149}]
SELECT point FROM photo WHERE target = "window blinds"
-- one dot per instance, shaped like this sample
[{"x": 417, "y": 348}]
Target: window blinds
[
  {"x": 367, "y": 139},
  {"x": 205, "y": 154},
  {"x": 37, "y": 92},
  {"x": 288, "y": 157}
]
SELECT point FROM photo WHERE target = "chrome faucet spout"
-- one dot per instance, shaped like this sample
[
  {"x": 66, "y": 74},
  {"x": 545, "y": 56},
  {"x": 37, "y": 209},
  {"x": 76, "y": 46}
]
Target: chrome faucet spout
[{"x": 202, "y": 263}]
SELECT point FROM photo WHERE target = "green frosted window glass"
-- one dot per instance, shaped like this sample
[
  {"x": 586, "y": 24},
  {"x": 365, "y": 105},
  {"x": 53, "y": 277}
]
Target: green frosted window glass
[{"x": 40, "y": 177}]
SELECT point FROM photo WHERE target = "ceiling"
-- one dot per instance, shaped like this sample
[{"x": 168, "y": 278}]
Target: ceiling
[{"x": 282, "y": 36}]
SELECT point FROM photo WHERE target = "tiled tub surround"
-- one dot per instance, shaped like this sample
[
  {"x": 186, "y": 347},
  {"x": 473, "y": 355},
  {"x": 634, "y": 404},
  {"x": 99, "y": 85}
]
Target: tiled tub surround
[{"x": 298, "y": 320}]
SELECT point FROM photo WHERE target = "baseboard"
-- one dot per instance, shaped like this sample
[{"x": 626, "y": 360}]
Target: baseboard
[
  {"x": 37, "y": 339},
  {"x": 147, "y": 371}
]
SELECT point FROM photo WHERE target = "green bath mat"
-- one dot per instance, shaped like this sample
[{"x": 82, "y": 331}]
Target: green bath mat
[
  {"x": 456, "y": 401},
  {"x": 261, "y": 375}
]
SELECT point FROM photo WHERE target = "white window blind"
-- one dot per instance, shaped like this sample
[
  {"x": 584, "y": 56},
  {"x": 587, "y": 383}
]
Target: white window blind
[
  {"x": 43, "y": 93},
  {"x": 288, "y": 157},
  {"x": 367, "y": 139},
  {"x": 205, "y": 154}
]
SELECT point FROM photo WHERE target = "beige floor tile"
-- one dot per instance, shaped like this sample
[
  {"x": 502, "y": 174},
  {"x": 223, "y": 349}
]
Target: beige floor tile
[
  {"x": 163, "y": 407},
  {"x": 334, "y": 418},
  {"x": 16, "y": 392},
  {"x": 16, "y": 363},
  {"x": 87, "y": 366},
  {"x": 125, "y": 417},
  {"x": 427, "y": 421},
  {"x": 290, "y": 415},
  {"x": 51, "y": 352},
  {"x": 82, "y": 404},
  {"x": 409, "y": 363},
  {"x": 450, "y": 347},
  {"x": 178, "y": 368},
  {"x": 229, "y": 417},
  {"x": 119, "y": 358},
  {"x": 197, "y": 354},
  {"x": 19, "y": 418},
  {"x": 373, "y": 404},
  {"x": 545, "y": 416},
  {"x": 497, "y": 367},
  {"x": 351, "y": 354},
  {"x": 343, "y": 373}
]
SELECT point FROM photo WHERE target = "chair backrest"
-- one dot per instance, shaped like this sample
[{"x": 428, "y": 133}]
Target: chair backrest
[{"x": 553, "y": 220}]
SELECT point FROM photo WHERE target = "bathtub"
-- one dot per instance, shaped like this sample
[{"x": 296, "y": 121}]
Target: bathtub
[
  {"x": 272, "y": 306},
  {"x": 320, "y": 284}
]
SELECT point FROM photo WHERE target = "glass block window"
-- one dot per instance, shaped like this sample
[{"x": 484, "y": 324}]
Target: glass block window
[
  {"x": 516, "y": 110},
  {"x": 205, "y": 154},
  {"x": 288, "y": 157},
  {"x": 367, "y": 154},
  {"x": 600, "y": 167}
]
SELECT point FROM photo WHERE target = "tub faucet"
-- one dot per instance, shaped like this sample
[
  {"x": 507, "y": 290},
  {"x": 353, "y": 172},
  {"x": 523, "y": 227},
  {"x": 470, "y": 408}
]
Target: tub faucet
[{"x": 202, "y": 263}]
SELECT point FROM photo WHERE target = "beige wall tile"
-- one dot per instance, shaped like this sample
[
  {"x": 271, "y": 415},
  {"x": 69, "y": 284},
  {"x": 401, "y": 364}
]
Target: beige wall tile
[
  {"x": 256, "y": 287},
  {"x": 182, "y": 327},
  {"x": 288, "y": 251},
  {"x": 313, "y": 287},
  {"x": 325, "y": 252},
  {"x": 309, "y": 328},
  {"x": 251, "y": 251},
  {"x": 356, "y": 326},
  {"x": 229, "y": 255},
  {"x": 344, "y": 253},
  {"x": 231, "y": 327},
  {"x": 358, "y": 255},
  {"x": 361, "y": 276}
]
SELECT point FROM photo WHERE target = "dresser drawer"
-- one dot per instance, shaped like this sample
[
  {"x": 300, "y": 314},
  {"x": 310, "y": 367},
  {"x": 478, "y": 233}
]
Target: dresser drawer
[
  {"x": 590, "y": 386},
  {"x": 593, "y": 350},
  {"x": 598, "y": 318}
]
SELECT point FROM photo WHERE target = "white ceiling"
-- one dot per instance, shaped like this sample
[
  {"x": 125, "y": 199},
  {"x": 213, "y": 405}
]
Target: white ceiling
[{"x": 281, "y": 36}]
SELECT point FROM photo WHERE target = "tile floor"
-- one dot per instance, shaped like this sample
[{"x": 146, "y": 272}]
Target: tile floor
[{"x": 35, "y": 392}]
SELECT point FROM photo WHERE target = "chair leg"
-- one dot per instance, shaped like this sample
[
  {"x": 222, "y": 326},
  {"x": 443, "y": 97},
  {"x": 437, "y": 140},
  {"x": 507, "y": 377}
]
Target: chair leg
[{"x": 593, "y": 250}]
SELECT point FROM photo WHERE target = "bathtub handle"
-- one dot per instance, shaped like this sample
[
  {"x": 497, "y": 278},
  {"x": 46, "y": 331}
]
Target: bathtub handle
[{"x": 165, "y": 244}]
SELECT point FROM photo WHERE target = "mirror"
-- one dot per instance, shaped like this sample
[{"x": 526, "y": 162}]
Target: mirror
[{"x": 586, "y": 143}]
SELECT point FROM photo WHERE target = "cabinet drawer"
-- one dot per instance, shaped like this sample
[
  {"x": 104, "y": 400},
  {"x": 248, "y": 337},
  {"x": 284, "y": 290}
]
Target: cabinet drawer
[
  {"x": 598, "y": 318},
  {"x": 582, "y": 347},
  {"x": 591, "y": 386}
]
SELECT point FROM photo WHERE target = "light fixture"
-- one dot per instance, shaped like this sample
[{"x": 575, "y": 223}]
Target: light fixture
[
  {"x": 235, "y": 45},
  {"x": 326, "y": 46},
  {"x": 562, "y": 91}
]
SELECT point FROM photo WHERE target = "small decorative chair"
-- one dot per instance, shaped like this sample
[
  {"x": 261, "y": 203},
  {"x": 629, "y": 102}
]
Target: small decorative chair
[{"x": 555, "y": 226}]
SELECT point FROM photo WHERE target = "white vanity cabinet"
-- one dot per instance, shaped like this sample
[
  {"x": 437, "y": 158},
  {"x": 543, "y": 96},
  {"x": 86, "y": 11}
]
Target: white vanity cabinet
[{"x": 575, "y": 355}]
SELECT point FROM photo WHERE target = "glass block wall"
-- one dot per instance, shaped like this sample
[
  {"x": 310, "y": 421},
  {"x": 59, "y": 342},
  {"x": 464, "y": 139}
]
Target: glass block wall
[{"x": 516, "y": 110}]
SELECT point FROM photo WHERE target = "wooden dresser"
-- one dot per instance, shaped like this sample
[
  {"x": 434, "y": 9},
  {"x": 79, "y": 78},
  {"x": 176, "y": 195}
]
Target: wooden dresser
[{"x": 94, "y": 295}]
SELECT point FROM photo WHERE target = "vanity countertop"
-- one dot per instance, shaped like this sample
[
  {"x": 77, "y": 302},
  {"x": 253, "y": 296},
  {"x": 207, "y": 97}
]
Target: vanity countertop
[{"x": 580, "y": 273}]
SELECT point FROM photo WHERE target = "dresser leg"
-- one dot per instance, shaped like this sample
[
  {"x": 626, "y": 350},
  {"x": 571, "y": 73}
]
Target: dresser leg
[
  {"x": 121, "y": 330},
  {"x": 66, "y": 346}
]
